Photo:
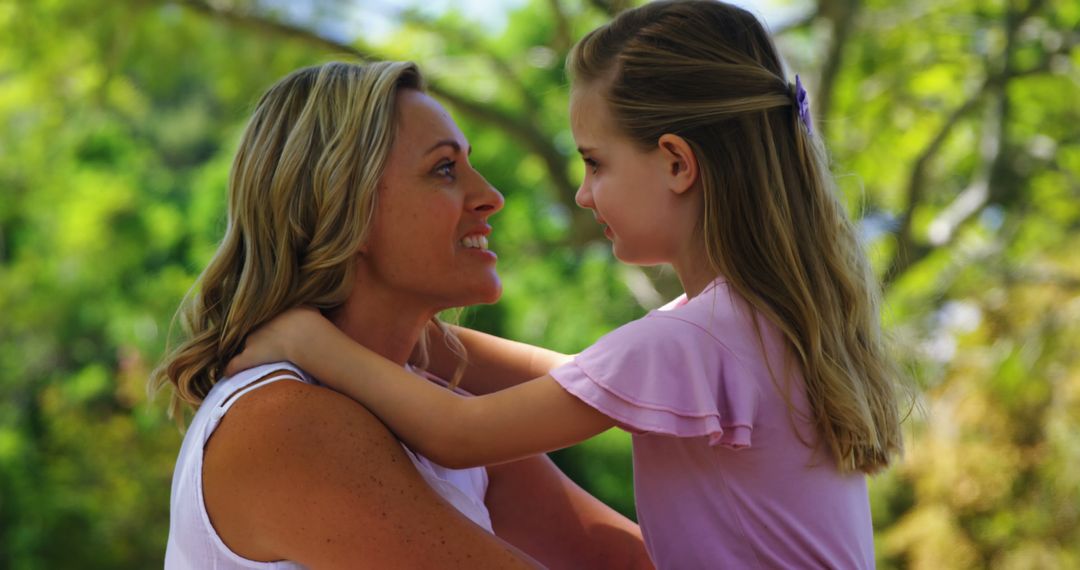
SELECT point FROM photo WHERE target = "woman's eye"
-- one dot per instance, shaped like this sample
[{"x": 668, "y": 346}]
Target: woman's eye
[{"x": 446, "y": 169}]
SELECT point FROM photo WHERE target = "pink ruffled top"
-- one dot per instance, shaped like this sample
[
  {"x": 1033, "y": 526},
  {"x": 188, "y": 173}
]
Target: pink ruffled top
[{"x": 722, "y": 476}]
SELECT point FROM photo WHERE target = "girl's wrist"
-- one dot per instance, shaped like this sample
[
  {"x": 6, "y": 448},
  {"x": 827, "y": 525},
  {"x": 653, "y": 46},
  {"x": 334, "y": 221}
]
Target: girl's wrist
[{"x": 304, "y": 334}]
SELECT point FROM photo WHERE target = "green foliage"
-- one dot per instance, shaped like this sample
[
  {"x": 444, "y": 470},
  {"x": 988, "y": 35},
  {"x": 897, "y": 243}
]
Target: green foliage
[{"x": 954, "y": 126}]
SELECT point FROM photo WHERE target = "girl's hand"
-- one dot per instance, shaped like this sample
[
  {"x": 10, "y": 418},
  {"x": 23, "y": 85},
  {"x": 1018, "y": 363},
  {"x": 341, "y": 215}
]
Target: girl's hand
[{"x": 281, "y": 338}]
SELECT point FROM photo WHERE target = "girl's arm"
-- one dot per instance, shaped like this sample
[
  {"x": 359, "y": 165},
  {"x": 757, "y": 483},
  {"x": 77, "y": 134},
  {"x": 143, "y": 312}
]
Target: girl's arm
[
  {"x": 494, "y": 363},
  {"x": 457, "y": 432}
]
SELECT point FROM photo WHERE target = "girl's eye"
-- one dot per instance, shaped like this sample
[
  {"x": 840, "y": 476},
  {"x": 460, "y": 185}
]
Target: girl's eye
[
  {"x": 591, "y": 164},
  {"x": 446, "y": 169}
]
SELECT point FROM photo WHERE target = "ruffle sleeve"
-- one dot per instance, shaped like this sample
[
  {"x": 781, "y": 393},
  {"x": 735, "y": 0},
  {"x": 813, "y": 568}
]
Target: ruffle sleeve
[{"x": 666, "y": 376}]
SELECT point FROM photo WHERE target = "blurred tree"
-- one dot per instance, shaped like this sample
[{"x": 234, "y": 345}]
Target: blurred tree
[
  {"x": 119, "y": 122},
  {"x": 953, "y": 127}
]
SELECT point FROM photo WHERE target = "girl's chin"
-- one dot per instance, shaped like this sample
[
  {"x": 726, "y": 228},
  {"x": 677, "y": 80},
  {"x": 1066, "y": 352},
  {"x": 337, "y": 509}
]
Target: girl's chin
[{"x": 635, "y": 258}]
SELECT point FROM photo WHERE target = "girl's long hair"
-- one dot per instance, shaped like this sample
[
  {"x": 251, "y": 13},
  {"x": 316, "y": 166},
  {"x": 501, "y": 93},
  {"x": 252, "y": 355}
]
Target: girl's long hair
[
  {"x": 773, "y": 224},
  {"x": 302, "y": 193}
]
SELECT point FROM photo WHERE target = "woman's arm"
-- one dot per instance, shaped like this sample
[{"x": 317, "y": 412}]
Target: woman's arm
[
  {"x": 537, "y": 508},
  {"x": 298, "y": 472},
  {"x": 494, "y": 363},
  {"x": 534, "y": 417}
]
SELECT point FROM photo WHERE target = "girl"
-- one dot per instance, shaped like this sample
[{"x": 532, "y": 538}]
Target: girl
[{"x": 760, "y": 398}]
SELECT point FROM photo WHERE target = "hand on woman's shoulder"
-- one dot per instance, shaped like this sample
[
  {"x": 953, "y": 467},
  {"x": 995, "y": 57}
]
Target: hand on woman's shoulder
[{"x": 300, "y": 472}]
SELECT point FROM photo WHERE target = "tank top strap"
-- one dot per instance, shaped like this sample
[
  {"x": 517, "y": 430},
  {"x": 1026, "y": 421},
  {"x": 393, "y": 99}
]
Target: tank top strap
[
  {"x": 193, "y": 542},
  {"x": 235, "y": 387}
]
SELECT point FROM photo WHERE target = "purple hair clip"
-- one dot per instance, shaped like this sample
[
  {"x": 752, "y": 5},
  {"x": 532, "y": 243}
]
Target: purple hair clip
[{"x": 803, "y": 102}]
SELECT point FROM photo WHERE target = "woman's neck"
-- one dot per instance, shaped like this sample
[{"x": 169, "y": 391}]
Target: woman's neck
[{"x": 381, "y": 324}]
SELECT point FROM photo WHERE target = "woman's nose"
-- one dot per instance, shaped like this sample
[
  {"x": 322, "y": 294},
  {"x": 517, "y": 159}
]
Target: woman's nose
[{"x": 484, "y": 197}]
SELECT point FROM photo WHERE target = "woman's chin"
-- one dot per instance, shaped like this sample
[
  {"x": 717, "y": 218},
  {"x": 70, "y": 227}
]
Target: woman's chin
[
  {"x": 486, "y": 294},
  {"x": 492, "y": 294}
]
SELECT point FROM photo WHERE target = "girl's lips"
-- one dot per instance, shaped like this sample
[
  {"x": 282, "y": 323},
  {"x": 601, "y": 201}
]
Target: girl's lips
[{"x": 607, "y": 229}]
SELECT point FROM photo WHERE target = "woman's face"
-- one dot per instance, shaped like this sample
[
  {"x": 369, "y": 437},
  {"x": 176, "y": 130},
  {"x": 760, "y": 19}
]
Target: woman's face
[{"x": 428, "y": 241}]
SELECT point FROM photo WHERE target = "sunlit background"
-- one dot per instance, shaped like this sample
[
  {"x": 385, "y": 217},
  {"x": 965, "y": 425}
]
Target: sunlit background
[{"x": 953, "y": 127}]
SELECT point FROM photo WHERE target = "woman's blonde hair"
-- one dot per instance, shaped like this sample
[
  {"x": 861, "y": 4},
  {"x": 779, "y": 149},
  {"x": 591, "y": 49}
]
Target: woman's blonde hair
[
  {"x": 773, "y": 225},
  {"x": 302, "y": 194}
]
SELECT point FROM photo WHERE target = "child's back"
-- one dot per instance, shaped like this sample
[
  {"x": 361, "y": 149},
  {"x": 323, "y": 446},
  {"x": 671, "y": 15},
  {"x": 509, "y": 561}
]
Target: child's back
[{"x": 721, "y": 477}]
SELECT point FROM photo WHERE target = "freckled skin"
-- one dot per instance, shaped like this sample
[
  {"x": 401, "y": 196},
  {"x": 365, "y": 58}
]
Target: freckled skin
[
  {"x": 276, "y": 501},
  {"x": 425, "y": 206}
]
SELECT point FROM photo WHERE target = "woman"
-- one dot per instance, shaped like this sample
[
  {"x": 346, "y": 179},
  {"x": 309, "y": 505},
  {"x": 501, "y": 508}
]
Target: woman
[{"x": 352, "y": 192}]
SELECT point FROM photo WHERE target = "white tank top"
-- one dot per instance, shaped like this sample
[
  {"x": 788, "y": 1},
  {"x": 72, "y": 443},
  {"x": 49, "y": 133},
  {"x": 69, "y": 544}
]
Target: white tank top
[{"x": 193, "y": 542}]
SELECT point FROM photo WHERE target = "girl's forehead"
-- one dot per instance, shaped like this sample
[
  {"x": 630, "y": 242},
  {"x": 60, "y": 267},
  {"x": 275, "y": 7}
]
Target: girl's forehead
[
  {"x": 584, "y": 96},
  {"x": 589, "y": 112}
]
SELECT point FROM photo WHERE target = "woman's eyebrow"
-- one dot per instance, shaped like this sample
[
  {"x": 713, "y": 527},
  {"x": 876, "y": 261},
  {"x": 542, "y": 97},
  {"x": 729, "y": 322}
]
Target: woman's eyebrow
[{"x": 450, "y": 143}]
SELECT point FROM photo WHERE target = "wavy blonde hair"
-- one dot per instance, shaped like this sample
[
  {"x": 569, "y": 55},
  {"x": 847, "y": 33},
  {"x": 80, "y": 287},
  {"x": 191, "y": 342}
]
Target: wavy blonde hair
[
  {"x": 302, "y": 194},
  {"x": 773, "y": 224}
]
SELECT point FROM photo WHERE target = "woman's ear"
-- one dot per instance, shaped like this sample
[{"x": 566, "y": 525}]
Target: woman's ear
[{"x": 682, "y": 163}]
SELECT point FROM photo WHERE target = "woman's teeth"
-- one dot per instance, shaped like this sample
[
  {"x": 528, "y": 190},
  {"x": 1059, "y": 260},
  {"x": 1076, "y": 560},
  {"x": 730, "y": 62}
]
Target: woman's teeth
[{"x": 476, "y": 241}]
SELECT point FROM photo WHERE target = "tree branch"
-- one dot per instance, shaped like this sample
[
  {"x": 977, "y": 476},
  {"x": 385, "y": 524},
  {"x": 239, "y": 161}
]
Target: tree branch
[
  {"x": 611, "y": 7},
  {"x": 470, "y": 42},
  {"x": 281, "y": 29},
  {"x": 984, "y": 186},
  {"x": 907, "y": 249},
  {"x": 976, "y": 196},
  {"x": 841, "y": 14},
  {"x": 528, "y": 134},
  {"x": 562, "y": 40}
]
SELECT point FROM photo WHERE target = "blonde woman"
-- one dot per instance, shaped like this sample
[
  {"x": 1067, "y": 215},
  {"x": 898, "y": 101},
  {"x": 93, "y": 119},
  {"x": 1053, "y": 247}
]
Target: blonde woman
[{"x": 352, "y": 192}]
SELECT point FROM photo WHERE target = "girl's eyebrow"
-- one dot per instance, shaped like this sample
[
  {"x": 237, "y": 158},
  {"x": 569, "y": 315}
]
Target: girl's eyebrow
[{"x": 584, "y": 149}]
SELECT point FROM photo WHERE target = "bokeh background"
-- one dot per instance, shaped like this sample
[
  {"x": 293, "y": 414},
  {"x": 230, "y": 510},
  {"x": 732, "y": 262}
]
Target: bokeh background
[{"x": 954, "y": 127}]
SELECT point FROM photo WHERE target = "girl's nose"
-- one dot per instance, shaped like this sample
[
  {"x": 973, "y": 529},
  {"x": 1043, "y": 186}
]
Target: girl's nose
[{"x": 584, "y": 197}]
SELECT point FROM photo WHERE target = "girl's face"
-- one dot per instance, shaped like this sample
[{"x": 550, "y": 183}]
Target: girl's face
[
  {"x": 428, "y": 241},
  {"x": 625, "y": 186}
]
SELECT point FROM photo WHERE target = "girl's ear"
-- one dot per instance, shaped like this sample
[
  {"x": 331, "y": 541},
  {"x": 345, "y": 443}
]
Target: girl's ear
[{"x": 682, "y": 163}]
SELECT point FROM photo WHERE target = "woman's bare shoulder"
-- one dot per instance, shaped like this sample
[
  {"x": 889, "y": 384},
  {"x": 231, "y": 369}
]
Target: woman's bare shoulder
[
  {"x": 290, "y": 411},
  {"x": 277, "y": 445},
  {"x": 300, "y": 472}
]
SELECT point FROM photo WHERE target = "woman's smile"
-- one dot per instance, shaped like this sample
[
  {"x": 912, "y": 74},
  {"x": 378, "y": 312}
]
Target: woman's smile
[{"x": 475, "y": 242}]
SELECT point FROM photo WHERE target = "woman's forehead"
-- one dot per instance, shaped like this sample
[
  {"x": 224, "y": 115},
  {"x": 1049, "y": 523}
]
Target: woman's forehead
[{"x": 424, "y": 122}]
